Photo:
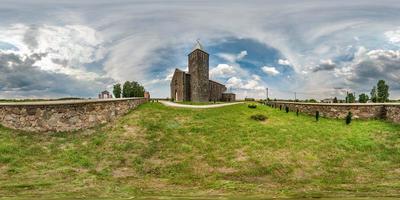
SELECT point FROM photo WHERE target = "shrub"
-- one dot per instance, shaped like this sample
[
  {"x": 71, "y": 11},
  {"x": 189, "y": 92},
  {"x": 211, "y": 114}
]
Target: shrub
[
  {"x": 249, "y": 99},
  {"x": 259, "y": 117},
  {"x": 287, "y": 109},
  {"x": 348, "y": 118},
  {"x": 317, "y": 115},
  {"x": 280, "y": 107},
  {"x": 252, "y": 106},
  {"x": 297, "y": 112}
]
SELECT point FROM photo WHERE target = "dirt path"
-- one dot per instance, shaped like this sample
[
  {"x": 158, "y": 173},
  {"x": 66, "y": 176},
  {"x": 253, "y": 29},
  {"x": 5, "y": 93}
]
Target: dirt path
[{"x": 178, "y": 105}]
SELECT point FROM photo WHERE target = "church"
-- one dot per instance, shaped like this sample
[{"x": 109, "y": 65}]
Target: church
[{"x": 195, "y": 85}]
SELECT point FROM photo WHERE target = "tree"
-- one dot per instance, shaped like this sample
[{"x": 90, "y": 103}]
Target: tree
[
  {"x": 351, "y": 98},
  {"x": 383, "y": 91},
  {"x": 117, "y": 90},
  {"x": 335, "y": 100},
  {"x": 374, "y": 94},
  {"x": 348, "y": 118},
  {"x": 311, "y": 100},
  {"x": 126, "y": 89},
  {"x": 132, "y": 89},
  {"x": 363, "y": 98}
]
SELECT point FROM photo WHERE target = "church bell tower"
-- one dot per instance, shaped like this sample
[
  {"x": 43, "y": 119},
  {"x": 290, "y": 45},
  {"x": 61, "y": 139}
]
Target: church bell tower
[{"x": 199, "y": 74}]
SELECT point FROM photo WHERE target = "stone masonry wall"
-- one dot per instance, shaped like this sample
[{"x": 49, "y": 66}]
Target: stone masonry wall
[
  {"x": 392, "y": 113},
  {"x": 389, "y": 111},
  {"x": 59, "y": 116}
]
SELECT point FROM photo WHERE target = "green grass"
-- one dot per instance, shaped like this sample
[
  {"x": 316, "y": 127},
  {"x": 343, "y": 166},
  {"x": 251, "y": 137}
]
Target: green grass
[{"x": 158, "y": 150}]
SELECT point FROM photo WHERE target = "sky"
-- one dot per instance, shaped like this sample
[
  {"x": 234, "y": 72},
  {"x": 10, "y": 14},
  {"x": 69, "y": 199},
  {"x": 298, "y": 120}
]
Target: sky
[{"x": 318, "y": 49}]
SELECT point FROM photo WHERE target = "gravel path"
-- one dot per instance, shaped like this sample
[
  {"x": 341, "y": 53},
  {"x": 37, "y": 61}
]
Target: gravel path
[{"x": 178, "y": 105}]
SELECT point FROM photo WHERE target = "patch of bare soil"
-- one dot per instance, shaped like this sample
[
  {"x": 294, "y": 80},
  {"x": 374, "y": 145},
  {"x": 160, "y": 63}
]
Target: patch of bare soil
[
  {"x": 226, "y": 170},
  {"x": 123, "y": 172},
  {"x": 241, "y": 155},
  {"x": 134, "y": 132}
]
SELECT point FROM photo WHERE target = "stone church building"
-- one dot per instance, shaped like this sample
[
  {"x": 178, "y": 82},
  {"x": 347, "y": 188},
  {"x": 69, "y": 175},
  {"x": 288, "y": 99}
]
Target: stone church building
[{"x": 195, "y": 85}]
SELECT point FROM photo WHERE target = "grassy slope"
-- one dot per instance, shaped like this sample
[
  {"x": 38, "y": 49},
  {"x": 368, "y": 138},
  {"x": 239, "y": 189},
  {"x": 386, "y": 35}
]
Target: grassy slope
[{"x": 159, "y": 150}]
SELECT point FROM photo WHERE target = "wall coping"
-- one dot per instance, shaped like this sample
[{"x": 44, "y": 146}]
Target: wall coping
[
  {"x": 338, "y": 104},
  {"x": 67, "y": 102}
]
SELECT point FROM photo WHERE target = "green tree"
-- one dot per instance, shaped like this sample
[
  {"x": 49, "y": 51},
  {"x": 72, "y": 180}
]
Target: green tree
[
  {"x": 351, "y": 98},
  {"x": 311, "y": 100},
  {"x": 363, "y": 98},
  {"x": 335, "y": 100},
  {"x": 383, "y": 91},
  {"x": 126, "y": 89},
  {"x": 374, "y": 94},
  {"x": 117, "y": 90},
  {"x": 132, "y": 89}
]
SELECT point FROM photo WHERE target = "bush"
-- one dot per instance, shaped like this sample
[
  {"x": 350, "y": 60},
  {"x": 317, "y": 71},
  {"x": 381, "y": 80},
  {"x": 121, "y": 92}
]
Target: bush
[
  {"x": 252, "y": 106},
  {"x": 249, "y": 99},
  {"x": 259, "y": 117},
  {"x": 297, "y": 112},
  {"x": 287, "y": 109},
  {"x": 317, "y": 115},
  {"x": 348, "y": 118}
]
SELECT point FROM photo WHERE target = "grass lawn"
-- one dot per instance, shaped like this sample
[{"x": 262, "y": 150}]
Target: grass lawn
[{"x": 158, "y": 150}]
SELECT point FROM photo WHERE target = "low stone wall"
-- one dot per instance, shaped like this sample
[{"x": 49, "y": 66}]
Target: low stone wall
[
  {"x": 392, "y": 113},
  {"x": 69, "y": 115},
  {"x": 389, "y": 111}
]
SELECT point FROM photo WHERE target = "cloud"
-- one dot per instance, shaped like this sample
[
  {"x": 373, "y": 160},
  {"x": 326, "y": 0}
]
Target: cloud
[
  {"x": 20, "y": 78},
  {"x": 393, "y": 36},
  {"x": 232, "y": 58},
  {"x": 241, "y": 55},
  {"x": 369, "y": 66},
  {"x": 325, "y": 65},
  {"x": 120, "y": 44},
  {"x": 284, "y": 62},
  {"x": 67, "y": 48},
  {"x": 272, "y": 71},
  {"x": 222, "y": 71},
  {"x": 240, "y": 84},
  {"x": 51, "y": 61}
]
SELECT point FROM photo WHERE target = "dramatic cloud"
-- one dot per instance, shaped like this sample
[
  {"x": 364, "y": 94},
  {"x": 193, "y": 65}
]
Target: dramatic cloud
[
  {"x": 370, "y": 66},
  {"x": 45, "y": 53},
  {"x": 88, "y": 41},
  {"x": 67, "y": 48},
  {"x": 272, "y": 71},
  {"x": 20, "y": 78}
]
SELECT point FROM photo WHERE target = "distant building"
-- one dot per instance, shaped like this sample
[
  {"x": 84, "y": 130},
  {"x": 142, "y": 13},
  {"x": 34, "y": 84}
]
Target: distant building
[
  {"x": 228, "y": 97},
  {"x": 328, "y": 100},
  {"x": 147, "y": 95},
  {"x": 195, "y": 85},
  {"x": 105, "y": 95}
]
